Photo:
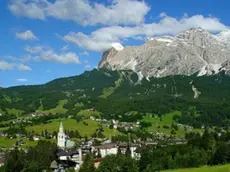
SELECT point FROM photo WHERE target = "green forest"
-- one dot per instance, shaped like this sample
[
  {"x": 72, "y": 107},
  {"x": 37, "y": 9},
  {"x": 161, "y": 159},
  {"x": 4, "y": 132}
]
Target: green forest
[{"x": 114, "y": 93}]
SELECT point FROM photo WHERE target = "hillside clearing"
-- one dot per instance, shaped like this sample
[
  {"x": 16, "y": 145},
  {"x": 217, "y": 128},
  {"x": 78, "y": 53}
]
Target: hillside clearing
[
  {"x": 158, "y": 124},
  {"x": 59, "y": 109}
]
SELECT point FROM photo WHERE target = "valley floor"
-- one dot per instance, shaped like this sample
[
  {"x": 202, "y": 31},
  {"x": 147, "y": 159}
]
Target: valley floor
[{"x": 87, "y": 127}]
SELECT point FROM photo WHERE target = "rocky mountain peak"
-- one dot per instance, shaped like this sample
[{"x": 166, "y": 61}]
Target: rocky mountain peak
[
  {"x": 192, "y": 51},
  {"x": 196, "y": 36}
]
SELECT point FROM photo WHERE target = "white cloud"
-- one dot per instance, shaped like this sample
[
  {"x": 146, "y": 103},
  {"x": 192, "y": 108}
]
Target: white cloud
[
  {"x": 47, "y": 54},
  {"x": 66, "y": 58},
  {"x": 27, "y": 35},
  {"x": 22, "y": 59},
  {"x": 4, "y": 65},
  {"x": 23, "y": 67},
  {"x": 185, "y": 14},
  {"x": 22, "y": 80},
  {"x": 33, "y": 9},
  {"x": 88, "y": 67},
  {"x": 101, "y": 39},
  {"x": 163, "y": 14},
  {"x": 90, "y": 42},
  {"x": 65, "y": 48},
  {"x": 33, "y": 50},
  {"x": 83, "y": 12},
  {"x": 139, "y": 38},
  {"x": 85, "y": 53}
]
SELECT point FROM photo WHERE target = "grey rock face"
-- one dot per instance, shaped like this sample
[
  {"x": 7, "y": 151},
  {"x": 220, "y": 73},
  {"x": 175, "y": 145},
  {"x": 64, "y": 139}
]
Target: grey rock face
[{"x": 193, "y": 51}]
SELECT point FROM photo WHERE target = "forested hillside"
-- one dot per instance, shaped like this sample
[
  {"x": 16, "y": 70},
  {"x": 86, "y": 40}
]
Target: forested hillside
[{"x": 115, "y": 93}]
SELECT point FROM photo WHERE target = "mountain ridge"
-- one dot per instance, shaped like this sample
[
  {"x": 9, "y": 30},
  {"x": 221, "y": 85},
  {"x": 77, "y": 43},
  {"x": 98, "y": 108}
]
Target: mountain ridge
[{"x": 194, "y": 50}]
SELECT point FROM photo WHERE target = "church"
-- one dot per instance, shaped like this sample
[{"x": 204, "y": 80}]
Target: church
[
  {"x": 67, "y": 156},
  {"x": 62, "y": 139}
]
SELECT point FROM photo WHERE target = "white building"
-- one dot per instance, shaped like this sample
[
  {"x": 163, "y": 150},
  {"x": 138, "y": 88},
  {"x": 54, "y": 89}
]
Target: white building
[
  {"x": 61, "y": 139},
  {"x": 112, "y": 149},
  {"x": 106, "y": 149},
  {"x": 36, "y": 138}
]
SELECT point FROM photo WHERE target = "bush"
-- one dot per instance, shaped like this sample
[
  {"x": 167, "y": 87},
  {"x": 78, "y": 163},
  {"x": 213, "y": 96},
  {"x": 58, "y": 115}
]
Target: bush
[{"x": 166, "y": 126}]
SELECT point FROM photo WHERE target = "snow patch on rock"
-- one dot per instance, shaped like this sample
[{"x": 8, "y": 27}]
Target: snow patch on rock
[
  {"x": 210, "y": 69},
  {"x": 203, "y": 71},
  {"x": 117, "y": 46}
]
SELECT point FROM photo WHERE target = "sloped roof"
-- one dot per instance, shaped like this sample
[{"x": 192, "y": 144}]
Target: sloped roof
[
  {"x": 106, "y": 146},
  {"x": 67, "y": 152}
]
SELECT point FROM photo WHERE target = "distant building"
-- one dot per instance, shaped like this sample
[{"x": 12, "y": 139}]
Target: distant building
[
  {"x": 112, "y": 149},
  {"x": 106, "y": 149},
  {"x": 36, "y": 138}
]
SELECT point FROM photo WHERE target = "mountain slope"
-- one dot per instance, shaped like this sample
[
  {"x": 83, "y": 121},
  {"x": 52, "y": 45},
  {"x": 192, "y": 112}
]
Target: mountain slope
[
  {"x": 115, "y": 93},
  {"x": 115, "y": 85},
  {"x": 192, "y": 51}
]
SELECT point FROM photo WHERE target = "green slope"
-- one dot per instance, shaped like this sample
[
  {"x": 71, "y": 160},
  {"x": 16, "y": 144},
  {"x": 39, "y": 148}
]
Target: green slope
[
  {"x": 115, "y": 93},
  {"x": 221, "y": 168}
]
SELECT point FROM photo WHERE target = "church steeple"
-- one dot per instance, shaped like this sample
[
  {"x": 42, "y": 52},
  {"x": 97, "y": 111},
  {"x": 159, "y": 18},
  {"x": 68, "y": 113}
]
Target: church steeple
[
  {"x": 61, "y": 128},
  {"x": 61, "y": 141}
]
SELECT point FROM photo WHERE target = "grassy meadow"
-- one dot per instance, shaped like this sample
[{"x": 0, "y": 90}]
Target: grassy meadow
[
  {"x": 85, "y": 127},
  {"x": 58, "y": 109},
  {"x": 8, "y": 143},
  {"x": 167, "y": 120}
]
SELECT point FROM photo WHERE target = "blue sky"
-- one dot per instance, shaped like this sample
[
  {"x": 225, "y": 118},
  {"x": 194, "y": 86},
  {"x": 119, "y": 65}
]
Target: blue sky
[{"x": 46, "y": 39}]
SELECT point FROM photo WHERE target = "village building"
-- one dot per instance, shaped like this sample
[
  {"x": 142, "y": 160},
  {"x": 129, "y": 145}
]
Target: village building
[
  {"x": 113, "y": 149},
  {"x": 106, "y": 149}
]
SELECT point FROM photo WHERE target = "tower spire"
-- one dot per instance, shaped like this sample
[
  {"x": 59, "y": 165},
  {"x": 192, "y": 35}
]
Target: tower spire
[
  {"x": 61, "y": 142},
  {"x": 61, "y": 128}
]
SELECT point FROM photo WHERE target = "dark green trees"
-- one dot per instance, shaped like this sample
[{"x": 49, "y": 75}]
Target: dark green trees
[
  {"x": 88, "y": 164},
  {"x": 37, "y": 158},
  {"x": 14, "y": 161},
  {"x": 120, "y": 163}
]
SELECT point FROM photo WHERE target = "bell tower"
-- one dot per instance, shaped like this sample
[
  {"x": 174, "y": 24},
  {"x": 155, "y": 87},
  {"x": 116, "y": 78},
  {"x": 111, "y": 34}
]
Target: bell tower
[{"x": 61, "y": 142}]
